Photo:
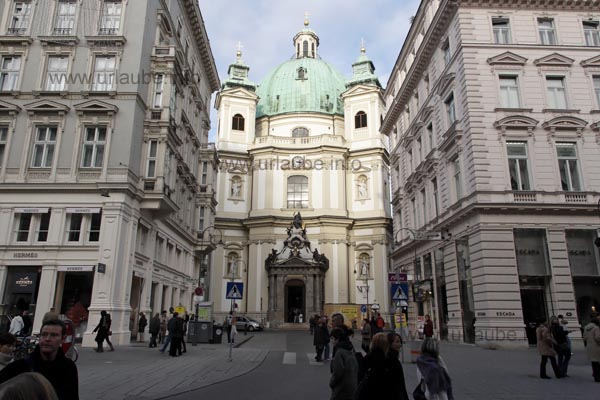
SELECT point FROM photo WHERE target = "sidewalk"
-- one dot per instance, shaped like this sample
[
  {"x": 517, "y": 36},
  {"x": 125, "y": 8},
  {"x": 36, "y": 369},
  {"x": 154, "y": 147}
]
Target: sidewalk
[{"x": 138, "y": 372}]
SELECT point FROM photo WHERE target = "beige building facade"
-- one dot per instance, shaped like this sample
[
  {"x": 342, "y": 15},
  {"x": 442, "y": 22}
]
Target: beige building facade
[
  {"x": 494, "y": 114},
  {"x": 107, "y": 178},
  {"x": 304, "y": 143}
]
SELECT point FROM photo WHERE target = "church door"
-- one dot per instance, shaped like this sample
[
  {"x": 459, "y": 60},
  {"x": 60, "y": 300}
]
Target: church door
[{"x": 294, "y": 300}]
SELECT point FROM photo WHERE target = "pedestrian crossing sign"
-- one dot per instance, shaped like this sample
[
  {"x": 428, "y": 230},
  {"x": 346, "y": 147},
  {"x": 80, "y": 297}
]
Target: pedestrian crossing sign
[
  {"x": 398, "y": 292},
  {"x": 235, "y": 290}
]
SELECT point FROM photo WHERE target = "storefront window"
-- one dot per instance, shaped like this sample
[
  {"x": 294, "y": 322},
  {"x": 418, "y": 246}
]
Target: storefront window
[
  {"x": 466, "y": 290},
  {"x": 21, "y": 292},
  {"x": 532, "y": 252},
  {"x": 585, "y": 269}
]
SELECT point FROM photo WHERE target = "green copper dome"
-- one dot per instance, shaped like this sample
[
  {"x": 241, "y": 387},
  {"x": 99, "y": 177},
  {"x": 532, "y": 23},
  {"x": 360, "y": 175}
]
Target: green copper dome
[{"x": 301, "y": 85}]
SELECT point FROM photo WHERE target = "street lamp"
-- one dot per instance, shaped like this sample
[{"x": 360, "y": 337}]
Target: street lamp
[
  {"x": 363, "y": 274},
  {"x": 200, "y": 235},
  {"x": 232, "y": 275}
]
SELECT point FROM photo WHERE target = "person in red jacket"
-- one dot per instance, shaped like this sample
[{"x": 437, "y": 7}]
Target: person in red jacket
[{"x": 428, "y": 328}]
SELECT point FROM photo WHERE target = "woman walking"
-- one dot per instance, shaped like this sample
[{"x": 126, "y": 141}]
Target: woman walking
[
  {"x": 432, "y": 373},
  {"x": 344, "y": 367},
  {"x": 545, "y": 346},
  {"x": 103, "y": 329},
  {"x": 394, "y": 368}
]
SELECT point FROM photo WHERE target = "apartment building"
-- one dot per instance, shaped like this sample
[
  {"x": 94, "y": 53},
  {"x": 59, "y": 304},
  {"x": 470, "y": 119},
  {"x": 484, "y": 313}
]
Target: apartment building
[
  {"x": 494, "y": 112},
  {"x": 106, "y": 174}
]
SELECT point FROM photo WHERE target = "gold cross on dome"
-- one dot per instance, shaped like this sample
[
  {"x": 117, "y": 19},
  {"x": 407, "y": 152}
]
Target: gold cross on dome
[
  {"x": 306, "y": 15},
  {"x": 362, "y": 45},
  {"x": 239, "y": 48}
]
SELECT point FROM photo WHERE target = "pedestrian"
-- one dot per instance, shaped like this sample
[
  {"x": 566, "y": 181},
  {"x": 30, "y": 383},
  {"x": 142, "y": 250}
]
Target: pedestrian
[
  {"x": 109, "y": 331},
  {"x": 591, "y": 338},
  {"x": 563, "y": 322},
  {"x": 563, "y": 350},
  {"x": 142, "y": 327},
  {"x": 366, "y": 335},
  {"x": 545, "y": 346},
  {"x": 397, "y": 387},
  {"x": 163, "y": 327},
  {"x": 311, "y": 324},
  {"x": 428, "y": 327},
  {"x": 175, "y": 327},
  {"x": 327, "y": 349},
  {"x": 379, "y": 323},
  {"x": 374, "y": 383},
  {"x": 230, "y": 322},
  {"x": 344, "y": 367},
  {"x": 320, "y": 337},
  {"x": 16, "y": 325},
  {"x": 182, "y": 343},
  {"x": 52, "y": 314},
  {"x": 103, "y": 329},
  {"x": 7, "y": 347},
  {"x": 29, "y": 385},
  {"x": 49, "y": 360},
  {"x": 153, "y": 329},
  {"x": 27, "y": 324},
  {"x": 432, "y": 373}
]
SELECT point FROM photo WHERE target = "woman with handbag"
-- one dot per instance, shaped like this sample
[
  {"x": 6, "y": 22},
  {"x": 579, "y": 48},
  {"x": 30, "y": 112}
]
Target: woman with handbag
[
  {"x": 103, "y": 329},
  {"x": 545, "y": 346},
  {"x": 432, "y": 374}
]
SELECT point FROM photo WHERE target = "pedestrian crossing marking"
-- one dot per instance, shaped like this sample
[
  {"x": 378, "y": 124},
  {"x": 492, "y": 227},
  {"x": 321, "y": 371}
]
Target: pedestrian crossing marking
[
  {"x": 234, "y": 290},
  {"x": 289, "y": 358},
  {"x": 398, "y": 292}
]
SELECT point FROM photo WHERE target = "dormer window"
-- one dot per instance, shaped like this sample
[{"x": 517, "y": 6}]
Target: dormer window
[
  {"x": 301, "y": 73},
  {"x": 238, "y": 122},
  {"x": 360, "y": 120},
  {"x": 305, "y": 49},
  {"x": 300, "y": 132}
]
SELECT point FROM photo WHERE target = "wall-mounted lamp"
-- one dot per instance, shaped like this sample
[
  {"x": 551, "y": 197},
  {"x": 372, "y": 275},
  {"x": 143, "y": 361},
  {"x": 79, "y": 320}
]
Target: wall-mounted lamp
[{"x": 104, "y": 193}]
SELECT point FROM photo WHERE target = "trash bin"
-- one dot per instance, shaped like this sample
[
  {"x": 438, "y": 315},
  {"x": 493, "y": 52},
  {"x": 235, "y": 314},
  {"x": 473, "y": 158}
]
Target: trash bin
[
  {"x": 199, "y": 332},
  {"x": 217, "y": 334}
]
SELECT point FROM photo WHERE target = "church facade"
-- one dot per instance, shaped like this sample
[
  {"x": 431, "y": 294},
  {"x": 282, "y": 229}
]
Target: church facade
[{"x": 302, "y": 189}]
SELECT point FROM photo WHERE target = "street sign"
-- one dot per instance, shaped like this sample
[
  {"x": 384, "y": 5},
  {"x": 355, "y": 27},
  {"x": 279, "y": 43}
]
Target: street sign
[
  {"x": 363, "y": 308},
  {"x": 402, "y": 277},
  {"x": 399, "y": 291},
  {"x": 375, "y": 307},
  {"x": 235, "y": 290}
]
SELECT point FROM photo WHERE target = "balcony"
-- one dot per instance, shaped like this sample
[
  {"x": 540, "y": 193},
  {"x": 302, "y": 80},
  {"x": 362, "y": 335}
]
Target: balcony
[
  {"x": 309, "y": 141},
  {"x": 526, "y": 197},
  {"x": 16, "y": 36},
  {"x": 16, "y": 31},
  {"x": 62, "y": 31},
  {"x": 580, "y": 198},
  {"x": 157, "y": 198},
  {"x": 108, "y": 31}
]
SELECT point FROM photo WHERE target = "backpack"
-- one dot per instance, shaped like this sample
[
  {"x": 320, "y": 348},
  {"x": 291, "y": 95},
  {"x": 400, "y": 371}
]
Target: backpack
[{"x": 380, "y": 322}]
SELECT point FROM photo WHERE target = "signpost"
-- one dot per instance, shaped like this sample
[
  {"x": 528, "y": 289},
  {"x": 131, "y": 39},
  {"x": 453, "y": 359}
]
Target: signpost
[{"x": 235, "y": 291}]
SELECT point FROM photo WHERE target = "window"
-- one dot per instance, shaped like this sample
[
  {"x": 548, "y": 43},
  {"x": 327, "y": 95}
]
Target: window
[
  {"x": 297, "y": 192},
  {"x": 567, "y": 164},
  {"x": 501, "y": 30},
  {"x": 3, "y": 140},
  {"x": 591, "y": 31},
  {"x": 152, "y": 152},
  {"x": 65, "y": 18},
  {"x": 20, "y": 18},
  {"x": 158, "y": 90},
  {"x": 56, "y": 75},
  {"x": 204, "y": 177},
  {"x": 596, "y": 79},
  {"x": 238, "y": 123},
  {"x": 201, "y": 218},
  {"x": 414, "y": 212},
  {"x": 9, "y": 75},
  {"x": 300, "y": 132},
  {"x": 434, "y": 189},
  {"x": 44, "y": 227},
  {"x": 457, "y": 179},
  {"x": 305, "y": 49},
  {"x": 93, "y": 147},
  {"x": 23, "y": 227},
  {"x": 168, "y": 172},
  {"x": 546, "y": 30},
  {"x": 74, "y": 232},
  {"x": 557, "y": 95},
  {"x": 360, "y": 120},
  {"x": 509, "y": 91},
  {"x": 94, "y": 232},
  {"x": 104, "y": 73},
  {"x": 430, "y": 136},
  {"x": 110, "y": 22},
  {"x": 420, "y": 150},
  {"x": 517, "y": 165},
  {"x": 450, "y": 110},
  {"x": 409, "y": 160},
  {"x": 43, "y": 147},
  {"x": 424, "y": 205},
  {"x": 446, "y": 51}
]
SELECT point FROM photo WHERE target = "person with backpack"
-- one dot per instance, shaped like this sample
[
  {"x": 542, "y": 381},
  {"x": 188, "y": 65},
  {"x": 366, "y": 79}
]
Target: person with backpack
[{"x": 379, "y": 323}]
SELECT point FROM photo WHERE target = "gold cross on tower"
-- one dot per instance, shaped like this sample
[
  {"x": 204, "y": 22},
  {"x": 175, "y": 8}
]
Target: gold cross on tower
[
  {"x": 239, "y": 49},
  {"x": 306, "y": 15}
]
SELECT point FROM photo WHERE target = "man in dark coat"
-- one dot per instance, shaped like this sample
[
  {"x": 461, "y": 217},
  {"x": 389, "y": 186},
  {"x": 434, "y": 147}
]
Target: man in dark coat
[
  {"x": 49, "y": 360},
  {"x": 320, "y": 338},
  {"x": 175, "y": 327},
  {"x": 102, "y": 328},
  {"x": 154, "y": 329}
]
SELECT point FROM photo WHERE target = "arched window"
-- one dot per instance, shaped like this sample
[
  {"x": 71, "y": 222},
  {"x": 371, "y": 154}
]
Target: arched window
[
  {"x": 360, "y": 120},
  {"x": 300, "y": 132},
  {"x": 301, "y": 73},
  {"x": 297, "y": 192},
  {"x": 298, "y": 51},
  {"x": 305, "y": 49},
  {"x": 232, "y": 264},
  {"x": 238, "y": 122},
  {"x": 312, "y": 47}
]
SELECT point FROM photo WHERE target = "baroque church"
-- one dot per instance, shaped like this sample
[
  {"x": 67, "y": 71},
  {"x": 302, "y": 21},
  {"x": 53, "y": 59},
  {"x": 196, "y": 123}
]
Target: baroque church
[{"x": 303, "y": 204}]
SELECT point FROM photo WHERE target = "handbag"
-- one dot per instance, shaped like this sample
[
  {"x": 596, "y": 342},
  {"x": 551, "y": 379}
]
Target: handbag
[{"x": 418, "y": 393}]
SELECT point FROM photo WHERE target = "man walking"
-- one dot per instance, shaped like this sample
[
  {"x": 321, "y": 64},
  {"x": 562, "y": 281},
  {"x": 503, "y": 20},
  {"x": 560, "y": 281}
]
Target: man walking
[
  {"x": 175, "y": 327},
  {"x": 49, "y": 360},
  {"x": 428, "y": 328}
]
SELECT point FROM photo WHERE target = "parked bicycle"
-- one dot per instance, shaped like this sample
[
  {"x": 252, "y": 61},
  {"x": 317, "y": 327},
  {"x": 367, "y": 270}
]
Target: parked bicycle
[{"x": 25, "y": 346}]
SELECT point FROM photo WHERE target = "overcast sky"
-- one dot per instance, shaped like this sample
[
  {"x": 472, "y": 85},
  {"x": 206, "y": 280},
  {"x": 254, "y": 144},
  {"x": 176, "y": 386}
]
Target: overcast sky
[{"x": 266, "y": 29}]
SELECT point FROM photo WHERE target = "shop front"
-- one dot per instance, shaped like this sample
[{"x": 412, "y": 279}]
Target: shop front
[
  {"x": 20, "y": 294},
  {"x": 74, "y": 294},
  {"x": 584, "y": 261}
]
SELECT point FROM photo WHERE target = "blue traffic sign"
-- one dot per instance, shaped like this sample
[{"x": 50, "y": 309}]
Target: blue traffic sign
[
  {"x": 363, "y": 308},
  {"x": 235, "y": 290},
  {"x": 399, "y": 291}
]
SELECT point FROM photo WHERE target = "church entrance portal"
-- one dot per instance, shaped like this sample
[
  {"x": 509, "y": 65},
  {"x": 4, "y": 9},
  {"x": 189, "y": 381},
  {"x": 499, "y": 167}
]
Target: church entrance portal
[{"x": 294, "y": 300}]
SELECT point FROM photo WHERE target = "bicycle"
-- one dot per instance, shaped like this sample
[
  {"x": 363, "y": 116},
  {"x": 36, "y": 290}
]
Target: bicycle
[{"x": 25, "y": 346}]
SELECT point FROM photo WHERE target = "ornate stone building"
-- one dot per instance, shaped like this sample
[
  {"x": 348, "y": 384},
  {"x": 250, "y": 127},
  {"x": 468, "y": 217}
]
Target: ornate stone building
[
  {"x": 308, "y": 140},
  {"x": 494, "y": 113}
]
